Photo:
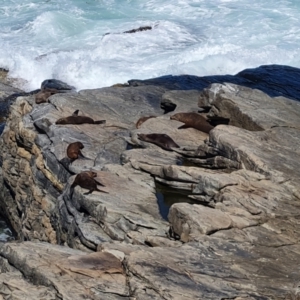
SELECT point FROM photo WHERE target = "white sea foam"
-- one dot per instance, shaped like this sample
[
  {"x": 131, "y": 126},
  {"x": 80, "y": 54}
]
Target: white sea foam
[{"x": 65, "y": 39}]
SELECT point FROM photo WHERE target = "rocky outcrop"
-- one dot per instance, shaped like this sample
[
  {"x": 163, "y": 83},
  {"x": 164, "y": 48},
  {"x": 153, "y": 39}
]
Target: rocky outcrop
[{"x": 239, "y": 239}]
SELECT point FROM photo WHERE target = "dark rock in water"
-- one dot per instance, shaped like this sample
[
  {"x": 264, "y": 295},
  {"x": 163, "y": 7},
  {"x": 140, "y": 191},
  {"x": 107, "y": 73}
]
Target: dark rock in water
[
  {"x": 141, "y": 28},
  {"x": 56, "y": 84},
  {"x": 274, "y": 80}
]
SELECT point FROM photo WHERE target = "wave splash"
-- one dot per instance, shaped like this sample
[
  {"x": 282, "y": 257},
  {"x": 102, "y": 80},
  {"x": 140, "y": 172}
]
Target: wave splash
[{"x": 68, "y": 40}]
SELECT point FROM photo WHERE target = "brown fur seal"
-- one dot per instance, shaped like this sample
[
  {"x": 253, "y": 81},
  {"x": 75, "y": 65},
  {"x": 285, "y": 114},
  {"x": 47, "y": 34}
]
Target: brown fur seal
[
  {"x": 73, "y": 150},
  {"x": 142, "y": 120},
  {"x": 193, "y": 120},
  {"x": 76, "y": 119},
  {"x": 43, "y": 95},
  {"x": 161, "y": 140},
  {"x": 86, "y": 181}
]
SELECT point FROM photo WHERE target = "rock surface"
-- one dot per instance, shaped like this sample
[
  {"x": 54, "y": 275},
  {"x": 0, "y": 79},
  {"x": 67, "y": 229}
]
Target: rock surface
[{"x": 238, "y": 240}]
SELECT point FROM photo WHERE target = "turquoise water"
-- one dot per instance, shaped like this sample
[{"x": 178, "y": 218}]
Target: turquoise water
[{"x": 65, "y": 39}]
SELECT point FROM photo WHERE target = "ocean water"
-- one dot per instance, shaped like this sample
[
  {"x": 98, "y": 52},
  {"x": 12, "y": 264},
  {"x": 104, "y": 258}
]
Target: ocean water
[{"x": 67, "y": 40}]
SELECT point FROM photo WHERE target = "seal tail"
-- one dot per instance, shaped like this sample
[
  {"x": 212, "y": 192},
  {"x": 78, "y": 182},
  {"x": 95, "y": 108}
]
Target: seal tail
[
  {"x": 184, "y": 126},
  {"x": 101, "y": 191},
  {"x": 81, "y": 156},
  {"x": 98, "y": 182},
  {"x": 100, "y": 122}
]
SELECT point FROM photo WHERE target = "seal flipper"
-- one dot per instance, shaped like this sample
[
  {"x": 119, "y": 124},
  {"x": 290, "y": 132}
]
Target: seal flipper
[
  {"x": 183, "y": 126},
  {"x": 95, "y": 189},
  {"x": 75, "y": 113},
  {"x": 89, "y": 192},
  {"x": 98, "y": 182},
  {"x": 101, "y": 191},
  {"x": 81, "y": 156},
  {"x": 100, "y": 122}
]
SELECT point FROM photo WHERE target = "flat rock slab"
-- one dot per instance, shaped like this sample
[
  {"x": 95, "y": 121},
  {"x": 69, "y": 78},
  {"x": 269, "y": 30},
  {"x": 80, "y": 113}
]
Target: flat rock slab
[
  {"x": 188, "y": 219},
  {"x": 249, "y": 108},
  {"x": 263, "y": 152},
  {"x": 211, "y": 268},
  {"x": 68, "y": 273}
]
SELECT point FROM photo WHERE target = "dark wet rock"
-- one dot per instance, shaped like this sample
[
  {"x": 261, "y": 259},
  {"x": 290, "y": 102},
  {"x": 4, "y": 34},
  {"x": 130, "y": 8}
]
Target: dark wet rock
[
  {"x": 141, "y": 28},
  {"x": 273, "y": 80},
  {"x": 56, "y": 84},
  {"x": 134, "y": 30}
]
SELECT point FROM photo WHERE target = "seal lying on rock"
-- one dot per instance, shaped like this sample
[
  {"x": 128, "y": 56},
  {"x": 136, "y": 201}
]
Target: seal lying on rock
[
  {"x": 142, "y": 120},
  {"x": 86, "y": 181},
  {"x": 74, "y": 151},
  {"x": 76, "y": 119},
  {"x": 161, "y": 140},
  {"x": 193, "y": 120},
  {"x": 43, "y": 95}
]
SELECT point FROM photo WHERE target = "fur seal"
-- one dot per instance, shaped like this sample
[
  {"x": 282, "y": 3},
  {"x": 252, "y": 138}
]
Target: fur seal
[
  {"x": 43, "y": 95},
  {"x": 161, "y": 140},
  {"x": 142, "y": 120},
  {"x": 73, "y": 150},
  {"x": 86, "y": 181},
  {"x": 76, "y": 119},
  {"x": 193, "y": 120}
]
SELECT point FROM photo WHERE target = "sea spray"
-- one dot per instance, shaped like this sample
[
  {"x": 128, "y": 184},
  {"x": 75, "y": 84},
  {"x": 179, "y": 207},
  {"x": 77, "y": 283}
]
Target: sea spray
[{"x": 68, "y": 40}]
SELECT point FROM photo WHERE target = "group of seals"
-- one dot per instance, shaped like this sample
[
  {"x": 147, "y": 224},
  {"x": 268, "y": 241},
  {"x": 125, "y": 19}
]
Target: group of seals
[
  {"x": 76, "y": 119},
  {"x": 86, "y": 180},
  {"x": 193, "y": 120},
  {"x": 190, "y": 120}
]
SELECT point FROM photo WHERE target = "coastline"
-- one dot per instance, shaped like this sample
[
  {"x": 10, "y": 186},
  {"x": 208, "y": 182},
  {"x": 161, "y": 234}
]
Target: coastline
[{"x": 243, "y": 176}]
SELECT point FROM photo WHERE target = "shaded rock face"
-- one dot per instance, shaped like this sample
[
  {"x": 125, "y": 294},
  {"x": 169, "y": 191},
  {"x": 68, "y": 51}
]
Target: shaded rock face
[{"x": 238, "y": 240}]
